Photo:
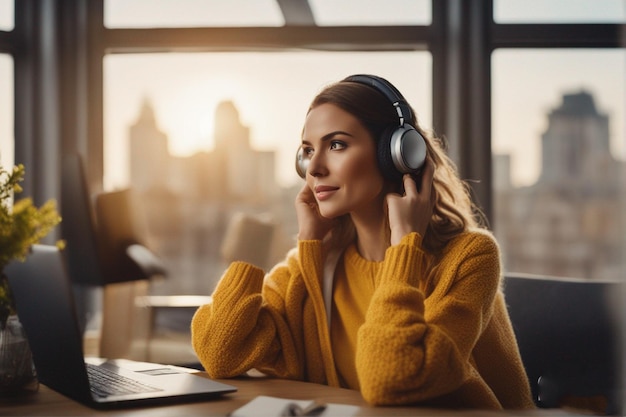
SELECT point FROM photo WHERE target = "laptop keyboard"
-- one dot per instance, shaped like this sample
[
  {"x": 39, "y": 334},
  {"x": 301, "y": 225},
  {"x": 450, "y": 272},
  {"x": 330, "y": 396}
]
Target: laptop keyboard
[{"x": 104, "y": 383}]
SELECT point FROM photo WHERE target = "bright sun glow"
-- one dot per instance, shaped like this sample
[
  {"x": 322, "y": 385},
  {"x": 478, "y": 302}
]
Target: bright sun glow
[{"x": 188, "y": 115}]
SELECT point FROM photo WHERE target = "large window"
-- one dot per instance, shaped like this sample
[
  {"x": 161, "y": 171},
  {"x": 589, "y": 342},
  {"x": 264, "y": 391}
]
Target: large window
[{"x": 172, "y": 120}]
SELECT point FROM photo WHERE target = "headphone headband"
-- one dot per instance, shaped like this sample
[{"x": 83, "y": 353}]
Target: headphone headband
[{"x": 388, "y": 90}]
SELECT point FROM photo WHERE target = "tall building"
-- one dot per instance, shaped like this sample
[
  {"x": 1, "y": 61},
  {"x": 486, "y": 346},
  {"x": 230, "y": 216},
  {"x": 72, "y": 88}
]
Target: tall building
[
  {"x": 149, "y": 153},
  {"x": 247, "y": 174},
  {"x": 575, "y": 147},
  {"x": 569, "y": 222}
]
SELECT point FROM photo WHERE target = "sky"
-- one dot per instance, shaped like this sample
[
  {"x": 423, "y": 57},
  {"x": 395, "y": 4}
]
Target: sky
[{"x": 272, "y": 90}]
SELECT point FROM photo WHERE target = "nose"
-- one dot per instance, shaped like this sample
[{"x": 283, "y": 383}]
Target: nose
[{"x": 317, "y": 165}]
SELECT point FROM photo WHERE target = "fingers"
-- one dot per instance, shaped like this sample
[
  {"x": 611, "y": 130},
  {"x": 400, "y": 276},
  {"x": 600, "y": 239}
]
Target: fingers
[
  {"x": 425, "y": 178},
  {"x": 305, "y": 195},
  {"x": 305, "y": 189},
  {"x": 311, "y": 224},
  {"x": 409, "y": 184}
]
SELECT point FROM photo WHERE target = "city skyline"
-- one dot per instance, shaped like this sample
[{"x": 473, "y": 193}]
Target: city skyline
[{"x": 148, "y": 106}]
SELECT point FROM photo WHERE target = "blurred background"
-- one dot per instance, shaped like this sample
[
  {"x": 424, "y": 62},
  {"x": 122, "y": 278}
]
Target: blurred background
[{"x": 198, "y": 105}]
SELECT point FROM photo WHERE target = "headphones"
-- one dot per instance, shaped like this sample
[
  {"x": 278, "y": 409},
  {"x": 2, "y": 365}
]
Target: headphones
[{"x": 401, "y": 148}]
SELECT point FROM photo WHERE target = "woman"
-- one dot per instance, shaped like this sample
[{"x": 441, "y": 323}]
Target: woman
[{"x": 393, "y": 289}]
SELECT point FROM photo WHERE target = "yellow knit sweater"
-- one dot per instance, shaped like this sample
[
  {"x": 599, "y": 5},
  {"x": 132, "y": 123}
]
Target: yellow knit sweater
[{"x": 435, "y": 331}]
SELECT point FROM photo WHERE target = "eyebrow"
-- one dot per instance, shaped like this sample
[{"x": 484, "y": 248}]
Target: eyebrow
[{"x": 329, "y": 136}]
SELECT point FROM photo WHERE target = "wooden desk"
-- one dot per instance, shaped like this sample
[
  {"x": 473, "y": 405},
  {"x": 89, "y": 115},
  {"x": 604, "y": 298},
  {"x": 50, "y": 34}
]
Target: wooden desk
[{"x": 47, "y": 402}]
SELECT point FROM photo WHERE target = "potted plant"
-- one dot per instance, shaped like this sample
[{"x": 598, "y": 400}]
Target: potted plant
[{"x": 22, "y": 224}]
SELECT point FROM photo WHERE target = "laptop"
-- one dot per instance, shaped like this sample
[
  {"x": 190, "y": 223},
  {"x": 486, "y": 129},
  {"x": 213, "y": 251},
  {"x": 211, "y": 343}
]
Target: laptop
[{"x": 44, "y": 300}]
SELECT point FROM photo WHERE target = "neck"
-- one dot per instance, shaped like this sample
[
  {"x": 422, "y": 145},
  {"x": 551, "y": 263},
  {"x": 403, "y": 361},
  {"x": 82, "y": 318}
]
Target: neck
[{"x": 371, "y": 235}]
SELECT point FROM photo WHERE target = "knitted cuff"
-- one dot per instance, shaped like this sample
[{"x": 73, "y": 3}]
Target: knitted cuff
[
  {"x": 240, "y": 279},
  {"x": 404, "y": 262}
]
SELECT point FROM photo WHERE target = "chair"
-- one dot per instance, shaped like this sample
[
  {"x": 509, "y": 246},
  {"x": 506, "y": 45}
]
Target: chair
[
  {"x": 568, "y": 332},
  {"x": 249, "y": 238}
]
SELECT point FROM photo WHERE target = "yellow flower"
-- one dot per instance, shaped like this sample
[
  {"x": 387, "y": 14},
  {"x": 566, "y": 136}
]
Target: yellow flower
[{"x": 22, "y": 225}]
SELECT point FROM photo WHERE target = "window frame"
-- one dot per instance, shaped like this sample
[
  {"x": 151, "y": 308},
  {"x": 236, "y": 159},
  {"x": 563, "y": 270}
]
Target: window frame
[{"x": 6, "y": 41}]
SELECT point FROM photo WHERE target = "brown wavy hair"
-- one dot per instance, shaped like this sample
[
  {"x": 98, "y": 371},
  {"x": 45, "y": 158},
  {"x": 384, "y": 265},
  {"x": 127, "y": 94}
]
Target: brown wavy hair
[{"x": 453, "y": 213}]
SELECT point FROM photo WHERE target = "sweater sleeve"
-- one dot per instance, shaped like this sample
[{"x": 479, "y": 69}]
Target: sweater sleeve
[
  {"x": 247, "y": 324},
  {"x": 413, "y": 349}
]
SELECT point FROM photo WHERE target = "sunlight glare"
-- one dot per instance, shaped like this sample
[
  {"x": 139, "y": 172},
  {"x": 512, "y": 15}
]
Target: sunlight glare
[{"x": 188, "y": 116}]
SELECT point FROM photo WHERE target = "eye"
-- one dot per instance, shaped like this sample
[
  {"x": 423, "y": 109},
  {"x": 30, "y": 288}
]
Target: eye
[
  {"x": 307, "y": 151},
  {"x": 337, "y": 145}
]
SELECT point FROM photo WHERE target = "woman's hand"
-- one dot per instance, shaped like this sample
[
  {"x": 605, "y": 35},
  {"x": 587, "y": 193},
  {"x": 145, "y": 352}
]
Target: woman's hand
[
  {"x": 311, "y": 224},
  {"x": 412, "y": 211}
]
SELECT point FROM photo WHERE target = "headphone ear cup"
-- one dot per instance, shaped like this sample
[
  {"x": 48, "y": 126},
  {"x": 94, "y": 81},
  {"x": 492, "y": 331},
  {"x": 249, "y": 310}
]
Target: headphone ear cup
[
  {"x": 385, "y": 159},
  {"x": 401, "y": 150},
  {"x": 301, "y": 163}
]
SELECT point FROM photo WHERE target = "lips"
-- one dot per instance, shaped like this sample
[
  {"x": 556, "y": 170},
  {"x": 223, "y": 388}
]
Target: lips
[{"x": 323, "y": 192}]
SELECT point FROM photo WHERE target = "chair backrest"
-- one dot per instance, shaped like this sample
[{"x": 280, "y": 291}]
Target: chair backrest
[
  {"x": 248, "y": 238},
  {"x": 568, "y": 332},
  {"x": 122, "y": 236}
]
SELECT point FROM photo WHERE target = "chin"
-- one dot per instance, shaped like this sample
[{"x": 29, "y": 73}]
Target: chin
[
  {"x": 331, "y": 213},
  {"x": 329, "y": 216}
]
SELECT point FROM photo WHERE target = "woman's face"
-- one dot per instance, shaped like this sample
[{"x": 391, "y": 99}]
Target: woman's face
[{"x": 342, "y": 172}]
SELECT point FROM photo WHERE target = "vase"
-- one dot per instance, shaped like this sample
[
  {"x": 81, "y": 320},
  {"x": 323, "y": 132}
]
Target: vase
[{"x": 17, "y": 370}]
